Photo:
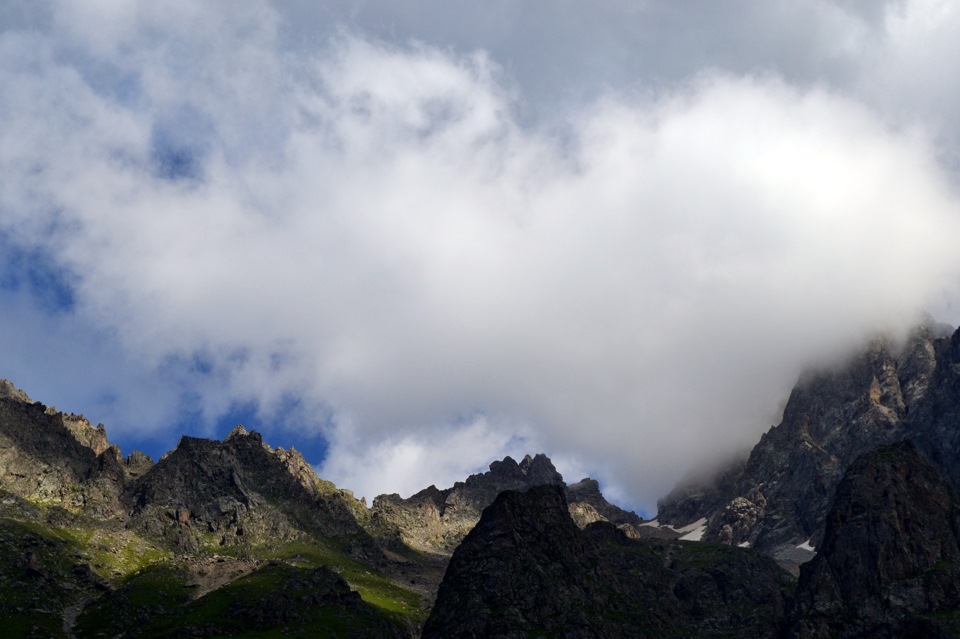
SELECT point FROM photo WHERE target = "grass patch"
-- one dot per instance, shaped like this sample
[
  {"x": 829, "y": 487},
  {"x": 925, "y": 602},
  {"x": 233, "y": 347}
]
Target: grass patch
[
  {"x": 155, "y": 592},
  {"x": 276, "y": 599},
  {"x": 373, "y": 586}
]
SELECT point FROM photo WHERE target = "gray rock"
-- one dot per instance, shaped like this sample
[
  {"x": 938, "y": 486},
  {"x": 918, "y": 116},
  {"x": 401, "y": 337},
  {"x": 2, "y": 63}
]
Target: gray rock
[
  {"x": 527, "y": 570},
  {"x": 890, "y": 561}
]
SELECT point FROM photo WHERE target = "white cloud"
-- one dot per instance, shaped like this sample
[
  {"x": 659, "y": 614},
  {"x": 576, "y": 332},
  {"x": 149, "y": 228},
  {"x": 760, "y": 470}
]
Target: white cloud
[
  {"x": 370, "y": 228},
  {"x": 407, "y": 463},
  {"x": 905, "y": 77}
]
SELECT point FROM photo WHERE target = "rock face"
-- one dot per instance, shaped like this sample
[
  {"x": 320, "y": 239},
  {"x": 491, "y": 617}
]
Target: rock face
[
  {"x": 436, "y": 520},
  {"x": 238, "y": 492},
  {"x": 92, "y": 543},
  {"x": 587, "y": 504},
  {"x": 889, "y": 565},
  {"x": 60, "y": 459},
  {"x": 527, "y": 570},
  {"x": 777, "y": 499},
  {"x": 101, "y": 537},
  {"x": 935, "y": 419},
  {"x": 229, "y": 537}
]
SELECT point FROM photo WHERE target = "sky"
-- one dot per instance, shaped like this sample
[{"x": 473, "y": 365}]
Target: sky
[{"x": 412, "y": 238}]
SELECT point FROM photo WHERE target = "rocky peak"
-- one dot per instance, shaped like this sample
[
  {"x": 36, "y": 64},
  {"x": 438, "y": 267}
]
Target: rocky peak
[
  {"x": 534, "y": 471},
  {"x": 587, "y": 490},
  {"x": 94, "y": 438},
  {"x": 890, "y": 558},
  {"x": 540, "y": 469},
  {"x": 137, "y": 464},
  {"x": 238, "y": 431},
  {"x": 778, "y": 498},
  {"x": 585, "y": 499},
  {"x": 526, "y": 570},
  {"x": 9, "y": 391},
  {"x": 437, "y": 520},
  {"x": 58, "y": 460},
  {"x": 238, "y": 491}
]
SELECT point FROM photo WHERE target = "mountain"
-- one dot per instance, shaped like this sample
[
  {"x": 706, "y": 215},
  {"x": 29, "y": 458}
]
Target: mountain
[
  {"x": 888, "y": 567},
  {"x": 854, "y": 492},
  {"x": 526, "y": 570},
  {"x": 889, "y": 564},
  {"x": 222, "y": 537},
  {"x": 436, "y": 520},
  {"x": 216, "y": 539},
  {"x": 777, "y": 499},
  {"x": 240, "y": 491}
]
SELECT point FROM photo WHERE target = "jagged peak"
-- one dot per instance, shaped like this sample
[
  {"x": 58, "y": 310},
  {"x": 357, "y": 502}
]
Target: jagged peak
[
  {"x": 238, "y": 431},
  {"x": 587, "y": 483},
  {"x": 138, "y": 457},
  {"x": 9, "y": 391},
  {"x": 540, "y": 466},
  {"x": 505, "y": 464},
  {"x": 190, "y": 444}
]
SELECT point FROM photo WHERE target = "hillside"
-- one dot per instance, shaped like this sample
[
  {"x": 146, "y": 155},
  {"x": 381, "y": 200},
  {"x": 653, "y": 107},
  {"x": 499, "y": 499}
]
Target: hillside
[{"x": 205, "y": 540}]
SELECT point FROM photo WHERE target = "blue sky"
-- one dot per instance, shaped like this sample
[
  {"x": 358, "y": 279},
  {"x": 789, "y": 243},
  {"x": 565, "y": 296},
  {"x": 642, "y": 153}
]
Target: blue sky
[{"x": 411, "y": 238}]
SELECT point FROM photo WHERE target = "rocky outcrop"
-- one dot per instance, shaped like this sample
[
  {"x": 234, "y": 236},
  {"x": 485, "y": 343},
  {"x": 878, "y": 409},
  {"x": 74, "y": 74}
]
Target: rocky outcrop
[
  {"x": 935, "y": 419},
  {"x": 437, "y": 520},
  {"x": 889, "y": 564},
  {"x": 238, "y": 492},
  {"x": 59, "y": 459},
  {"x": 527, "y": 570},
  {"x": 94, "y": 544},
  {"x": 777, "y": 499},
  {"x": 587, "y": 505},
  {"x": 9, "y": 391}
]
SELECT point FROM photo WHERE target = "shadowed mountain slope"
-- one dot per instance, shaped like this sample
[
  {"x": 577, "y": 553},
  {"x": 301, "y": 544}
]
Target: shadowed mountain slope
[
  {"x": 526, "y": 570},
  {"x": 889, "y": 565},
  {"x": 777, "y": 499}
]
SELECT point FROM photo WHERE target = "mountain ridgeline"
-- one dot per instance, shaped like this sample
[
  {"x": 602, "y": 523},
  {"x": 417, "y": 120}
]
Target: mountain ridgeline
[
  {"x": 844, "y": 521},
  {"x": 779, "y": 497},
  {"x": 93, "y": 543}
]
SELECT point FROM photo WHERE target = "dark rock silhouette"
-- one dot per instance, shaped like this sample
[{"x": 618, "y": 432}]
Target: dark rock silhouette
[
  {"x": 527, "y": 570},
  {"x": 778, "y": 498},
  {"x": 889, "y": 565}
]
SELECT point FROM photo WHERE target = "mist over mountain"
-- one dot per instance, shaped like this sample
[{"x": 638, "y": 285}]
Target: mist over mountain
[
  {"x": 597, "y": 243},
  {"x": 842, "y": 522},
  {"x": 612, "y": 233}
]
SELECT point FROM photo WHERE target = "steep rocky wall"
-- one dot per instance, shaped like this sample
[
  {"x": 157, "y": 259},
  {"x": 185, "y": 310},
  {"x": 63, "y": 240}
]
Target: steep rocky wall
[
  {"x": 889, "y": 565},
  {"x": 777, "y": 499},
  {"x": 527, "y": 570}
]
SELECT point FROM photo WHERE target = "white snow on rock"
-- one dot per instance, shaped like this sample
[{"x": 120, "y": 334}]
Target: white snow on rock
[
  {"x": 694, "y": 531},
  {"x": 806, "y": 546}
]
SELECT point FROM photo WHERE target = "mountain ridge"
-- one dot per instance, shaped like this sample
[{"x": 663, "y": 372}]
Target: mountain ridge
[
  {"x": 134, "y": 548},
  {"x": 777, "y": 498},
  {"x": 211, "y": 517}
]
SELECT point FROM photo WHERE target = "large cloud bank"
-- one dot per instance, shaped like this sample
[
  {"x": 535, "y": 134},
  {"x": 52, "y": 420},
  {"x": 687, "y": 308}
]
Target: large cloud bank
[{"x": 372, "y": 233}]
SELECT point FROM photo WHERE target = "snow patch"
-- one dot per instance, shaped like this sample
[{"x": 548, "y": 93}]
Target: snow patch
[
  {"x": 654, "y": 523},
  {"x": 806, "y": 546},
  {"x": 743, "y": 544},
  {"x": 694, "y": 531}
]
